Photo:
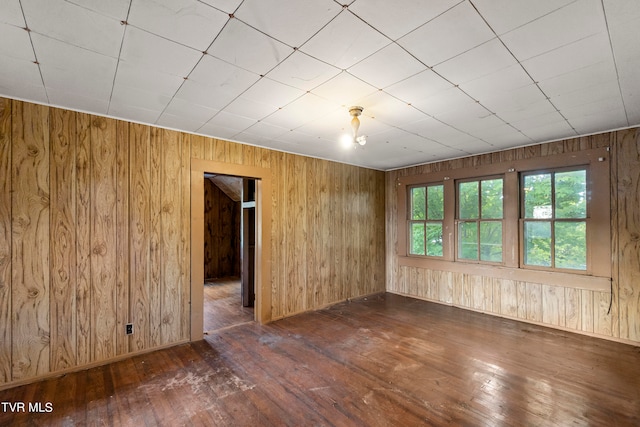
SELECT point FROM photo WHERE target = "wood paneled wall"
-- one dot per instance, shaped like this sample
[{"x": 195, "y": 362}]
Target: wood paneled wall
[
  {"x": 613, "y": 315},
  {"x": 222, "y": 233},
  {"x": 95, "y": 233}
]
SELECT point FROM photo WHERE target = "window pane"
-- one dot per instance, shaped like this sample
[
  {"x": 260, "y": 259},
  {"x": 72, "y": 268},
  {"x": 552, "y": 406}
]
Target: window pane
[
  {"x": 434, "y": 239},
  {"x": 491, "y": 241},
  {"x": 537, "y": 243},
  {"x": 418, "y": 201},
  {"x": 468, "y": 200},
  {"x": 492, "y": 199},
  {"x": 435, "y": 202},
  {"x": 571, "y": 194},
  {"x": 537, "y": 196},
  {"x": 417, "y": 239},
  {"x": 571, "y": 245},
  {"x": 468, "y": 240}
]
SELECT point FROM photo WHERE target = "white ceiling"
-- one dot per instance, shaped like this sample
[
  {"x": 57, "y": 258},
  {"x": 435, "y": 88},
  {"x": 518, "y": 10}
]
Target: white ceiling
[{"x": 438, "y": 79}]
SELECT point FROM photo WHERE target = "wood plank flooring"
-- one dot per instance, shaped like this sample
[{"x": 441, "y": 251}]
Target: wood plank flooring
[
  {"x": 223, "y": 305},
  {"x": 381, "y": 361}
]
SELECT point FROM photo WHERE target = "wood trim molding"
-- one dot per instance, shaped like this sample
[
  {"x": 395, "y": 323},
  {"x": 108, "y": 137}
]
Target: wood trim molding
[{"x": 263, "y": 237}]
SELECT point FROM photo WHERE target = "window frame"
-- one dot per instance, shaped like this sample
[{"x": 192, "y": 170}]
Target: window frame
[
  {"x": 598, "y": 274},
  {"x": 426, "y": 221},
  {"x": 553, "y": 220},
  {"x": 478, "y": 221}
]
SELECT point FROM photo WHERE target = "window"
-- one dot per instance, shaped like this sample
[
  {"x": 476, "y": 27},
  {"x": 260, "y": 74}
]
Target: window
[
  {"x": 533, "y": 220},
  {"x": 480, "y": 215},
  {"x": 554, "y": 219},
  {"x": 425, "y": 223}
]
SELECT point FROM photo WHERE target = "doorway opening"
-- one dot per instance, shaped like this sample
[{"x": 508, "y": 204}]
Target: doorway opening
[
  {"x": 229, "y": 251},
  {"x": 258, "y": 182}
]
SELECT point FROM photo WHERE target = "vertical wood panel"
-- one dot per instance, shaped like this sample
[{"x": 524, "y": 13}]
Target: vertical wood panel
[
  {"x": 63, "y": 239},
  {"x": 534, "y": 302},
  {"x": 572, "y": 308},
  {"x": 586, "y": 310},
  {"x": 185, "y": 237},
  {"x": 30, "y": 240},
  {"x": 626, "y": 263},
  {"x": 140, "y": 137},
  {"x": 103, "y": 238},
  {"x": 155, "y": 233},
  {"x": 5, "y": 240},
  {"x": 83, "y": 239},
  {"x": 602, "y": 320},
  {"x": 171, "y": 222},
  {"x": 553, "y": 305},
  {"x": 123, "y": 309},
  {"x": 278, "y": 270},
  {"x": 508, "y": 298}
]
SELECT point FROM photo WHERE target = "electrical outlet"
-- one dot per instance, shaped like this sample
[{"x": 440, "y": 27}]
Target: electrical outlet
[{"x": 128, "y": 329}]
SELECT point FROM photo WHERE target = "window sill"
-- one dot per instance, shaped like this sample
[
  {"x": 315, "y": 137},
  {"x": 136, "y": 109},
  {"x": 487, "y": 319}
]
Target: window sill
[{"x": 567, "y": 280}]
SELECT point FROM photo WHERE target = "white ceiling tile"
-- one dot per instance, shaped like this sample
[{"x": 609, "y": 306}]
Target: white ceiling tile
[
  {"x": 187, "y": 22},
  {"x": 506, "y": 102},
  {"x": 440, "y": 132},
  {"x": 625, "y": 40},
  {"x": 194, "y": 112},
  {"x": 179, "y": 122},
  {"x": 116, "y": 9},
  {"x": 78, "y": 101},
  {"x": 272, "y": 93},
  {"x": 292, "y": 23},
  {"x": 207, "y": 96},
  {"x": 139, "y": 98},
  {"x": 620, "y": 12},
  {"x": 67, "y": 67},
  {"x": 593, "y": 122},
  {"x": 588, "y": 51},
  {"x": 542, "y": 132},
  {"x": 443, "y": 102},
  {"x": 15, "y": 43},
  {"x": 389, "y": 110},
  {"x": 251, "y": 109},
  {"x": 241, "y": 45},
  {"x": 231, "y": 121},
  {"x": 266, "y": 130},
  {"x": 502, "y": 136},
  {"x": 12, "y": 13},
  {"x": 506, "y": 15},
  {"x": 216, "y": 131},
  {"x": 418, "y": 87},
  {"x": 344, "y": 89},
  {"x": 302, "y": 71},
  {"x": 133, "y": 113},
  {"x": 345, "y": 41},
  {"x": 143, "y": 49},
  {"x": 147, "y": 79},
  {"x": 587, "y": 95},
  {"x": 566, "y": 25},
  {"x": 228, "y": 6},
  {"x": 394, "y": 19},
  {"x": 387, "y": 66},
  {"x": 498, "y": 84},
  {"x": 480, "y": 61},
  {"x": 579, "y": 79},
  {"x": 82, "y": 27},
  {"x": 21, "y": 79},
  {"x": 456, "y": 31},
  {"x": 307, "y": 108}
]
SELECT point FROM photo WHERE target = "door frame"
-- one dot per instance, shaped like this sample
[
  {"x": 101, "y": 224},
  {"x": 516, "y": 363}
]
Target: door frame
[{"x": 262, "y": 309}]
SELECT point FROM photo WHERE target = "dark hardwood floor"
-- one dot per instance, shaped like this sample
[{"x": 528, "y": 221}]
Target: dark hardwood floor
[
  {"x": 381, "y": 361},
  {"x": 223, "y": 305}
]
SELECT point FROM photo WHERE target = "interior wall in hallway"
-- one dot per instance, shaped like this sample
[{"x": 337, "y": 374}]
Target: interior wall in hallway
[{"x": 222, "y": 233}]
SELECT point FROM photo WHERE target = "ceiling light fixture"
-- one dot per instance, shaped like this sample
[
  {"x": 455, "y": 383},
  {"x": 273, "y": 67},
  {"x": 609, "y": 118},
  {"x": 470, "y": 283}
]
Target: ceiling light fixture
[{"x": 355, "y": 125}]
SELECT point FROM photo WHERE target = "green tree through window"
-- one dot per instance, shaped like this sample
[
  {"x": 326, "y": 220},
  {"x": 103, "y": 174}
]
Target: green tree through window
[
  {"x": 555, "y": 219},
  {"x": 480, "y": 215},
  {"x": 425, "y": 222}
]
